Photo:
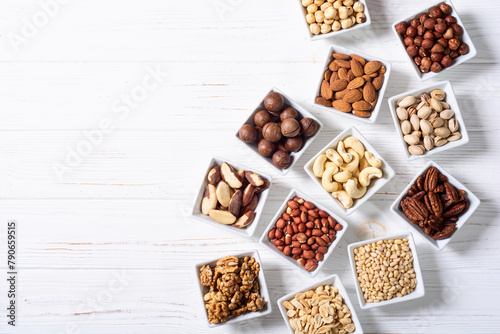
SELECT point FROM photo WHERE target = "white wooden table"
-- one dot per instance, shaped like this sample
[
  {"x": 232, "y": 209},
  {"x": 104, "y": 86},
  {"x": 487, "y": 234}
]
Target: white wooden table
[{"x": 106, "y": 244}]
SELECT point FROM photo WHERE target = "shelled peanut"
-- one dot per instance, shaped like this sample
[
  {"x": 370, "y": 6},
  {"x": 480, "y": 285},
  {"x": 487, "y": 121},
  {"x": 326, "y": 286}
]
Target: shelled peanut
[
  {"x": 351, "y": 84},
  {"x": 304, "y": 232},
  {"x": 346, "y": 172},
  {"x": 231, "y": 197},
  {"x": 324, "y": 17},
  {"x": 427, "y": 121}
]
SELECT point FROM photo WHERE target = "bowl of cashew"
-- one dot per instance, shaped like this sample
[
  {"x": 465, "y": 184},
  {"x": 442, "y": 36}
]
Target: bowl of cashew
[{"x": 349, "y": 170}]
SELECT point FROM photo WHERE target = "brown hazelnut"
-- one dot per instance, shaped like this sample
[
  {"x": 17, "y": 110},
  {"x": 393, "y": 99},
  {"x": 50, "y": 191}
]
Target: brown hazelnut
[
  {"x": 420, "y": 30},
  {"x": 446, "y": 61},
  {"x": 447, "y": 50},
  {"x": 453, "y": 44},
  {"x": 429, "y": 35},
  {"x": 290, "y": 127},
  {"x": 281, "y": 159},
  {"x": 412, "y": 50},
  {"x": 294, "y": 144},
  {"x": 430, "y": 24},
  {"x": 262, "y": 117},
  {"x": 401, "y": 28},
  {"x": 436, "y": 57},
  {"x": 272, "y": 132},
  {"x": 449, "y": 33},
  {"x": 437, "y": 48},
  {"x": 463, "y": 49},
  {"x": 418, "y": 41},
  {"x": 418, "y": 60},
  {"x": 450, "y": 19},
  {"x": 414, "y": 23},
  {"x": 454, "y": 54},
  {"x": 457, "y": 28},
  {"x": 445, "y": 8},
  {"x": 436, "y": 67},
  {"x": 426, "y": 63},
  {"x": 435, "y": 12},
  {"x": 437, "y": 35},
  {"x": 266, "y": 148},
  {"x": 308, "y": 127},
  {"x": 248, "y": 133},
  {"x": 274, "y": 102},
  {"x": 289, "y": 112},
  {"x": 441, "y": 27},
  {"x": 408, "y": 41},
  {"x": 423, "y": 52},
  {"x": 427, "y": 44},
  {"x": 443, "y": 41},
  {"x": 424, "y": 69},
  {"x": 411, "y": 31},
  {"x": 423, "y": 17}
]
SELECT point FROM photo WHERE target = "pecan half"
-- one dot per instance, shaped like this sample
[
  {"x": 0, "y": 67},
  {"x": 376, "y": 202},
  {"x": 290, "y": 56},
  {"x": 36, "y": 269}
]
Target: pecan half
[
  {"x": 418, "y": 196},
  {"x": 446, "y": 200},
  {"x": 447, "y": 232},
  {"x": 435, "y": 203},
  {"x": 431, "y": 179},
  {"x": 420, "y": 182},
  {"x": 409, "y": 210},
  {"x": 435, "y": 222},
  {"x": 439, "y": 189},
  {"x": 451, "y": 192},
  {"x": 456, "y": 209},
  {"x": 442, "y": 178}
]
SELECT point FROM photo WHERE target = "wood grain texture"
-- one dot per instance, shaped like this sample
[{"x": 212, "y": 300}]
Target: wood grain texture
[{"x": 109, "y": 246}]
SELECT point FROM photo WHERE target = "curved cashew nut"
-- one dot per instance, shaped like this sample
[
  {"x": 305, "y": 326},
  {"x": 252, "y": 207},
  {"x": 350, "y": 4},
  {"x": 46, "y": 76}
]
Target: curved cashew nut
[
  {"x": 330, "y": 164},
  {"x": 319, "y": 165},
  {"x": 351, "y": 187},
  {"x": 345, "y": 156},
  {"x": 355, "y": 174},
  {"x": 374, "y": 162},
  {"x": 327, "y": 180},
  {"x": 369, "y": 173},
  {"x": 363, "y": 163},
  {"x": 334, "y": 156},
  {"x": 344, "y": 198},
  {"x": 343, "y": 176},
  {"x": 356, "y": 145},
  {"x": 354, "y": 164}
]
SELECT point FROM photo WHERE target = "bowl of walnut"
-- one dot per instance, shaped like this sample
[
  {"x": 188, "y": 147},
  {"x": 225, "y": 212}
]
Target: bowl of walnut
[{"x": 232, "y": 288}]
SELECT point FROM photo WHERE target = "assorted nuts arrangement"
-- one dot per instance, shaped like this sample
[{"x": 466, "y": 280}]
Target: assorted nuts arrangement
[
  {"x": 434, "y": 204},
  {"x": 351, "y": 84},
  {"x": 304, "y": 233},
  {"x": 279, "y": 130},
  {"x": 385, "y": 270},
  {"x": 231, "y": 197},
  {"x": 333, "y": 15},
  {"x": 234, "y": 288},
  {"x": 347, "y": 170},
  {"x": 433, "y": 39},
  {"x": 321, "y": 310},
  {"x": 427, "y": 122}
]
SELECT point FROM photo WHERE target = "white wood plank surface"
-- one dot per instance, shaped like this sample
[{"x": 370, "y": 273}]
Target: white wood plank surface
[{"x": 107, "y": 245}]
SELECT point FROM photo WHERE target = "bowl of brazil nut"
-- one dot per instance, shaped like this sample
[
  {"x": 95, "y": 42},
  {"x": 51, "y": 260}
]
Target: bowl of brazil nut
[
  {"x": 327, "y": 18},
  {"x": 352, "y": 84},
  {"x": 303, "y": 233},
  {"x": 435, "y": 39},
  {"x": 428, "y": 120},
  {"x": 327, "y": 307},
  {"x": 392, "y": 260},
  {"x": 244, "y": 294},
  {"x": 435, "y": 205},
  {"x": 279, "y": 130},
  {"x": 231, "y": 197},
  {"x": 349, "y": 170}
]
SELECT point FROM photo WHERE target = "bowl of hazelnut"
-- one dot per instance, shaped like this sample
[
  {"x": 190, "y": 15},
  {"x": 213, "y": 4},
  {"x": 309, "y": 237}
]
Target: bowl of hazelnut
[
  {"x": 332, "y": 18},
  {"x": 435, "y": 40},
  {"x": 279, "y": 130}
]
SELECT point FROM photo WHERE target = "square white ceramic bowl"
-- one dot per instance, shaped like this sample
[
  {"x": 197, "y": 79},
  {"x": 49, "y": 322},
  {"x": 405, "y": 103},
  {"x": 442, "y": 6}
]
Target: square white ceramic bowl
[
  {"x": 473, "y": 204},
  {"x": 294, "y": 155},
  {"x": 451, "y": 99},
  {"x": 465, "y": 38},
  {"x": 335, "y": 33},
  {"x": 332, "y": 280},
  {"x": 264, "y": 239},
  {"x": 262, "y": 285},
  {"x": 419, "y": 288},
  {"x": 375, "y": 184},
  {"x": 381, "y": 92},
  {"x": 246, "y": 231}
]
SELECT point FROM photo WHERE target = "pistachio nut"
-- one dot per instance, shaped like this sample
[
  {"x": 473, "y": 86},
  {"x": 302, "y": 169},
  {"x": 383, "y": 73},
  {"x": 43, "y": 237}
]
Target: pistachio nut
[
  {"x": 416, "y": 149},
  {"x": 417, "y": 133},
  {"x": 407, "y": 101},
  {"x": 402, "y": 113},
  {"x": 424, "y": 112},
  {"x": 453, "y": 125},
  {"x": 445, "y": 105},
  {"x": 425, "y": 98},
  {"x": 406, "y": 127},
  {"x": 436, "y": 105},
  {"x": 411, "y": 139},
  {"x": 428, "y": 143},
  {"x": 415, "y": 122},
  {"x": 438, "y": 94},
  {"x": 437, "y": 122},
  {"x": 442, "y": 132},
  {"x": 454, "y": 136},
  {"x": 426, "y": 126},
  {"x": 447, "y": 114},
  {"x": 439, "y": 141},
  {"x": 421, "y": 105},
  {"x": 411, "y": 111}
]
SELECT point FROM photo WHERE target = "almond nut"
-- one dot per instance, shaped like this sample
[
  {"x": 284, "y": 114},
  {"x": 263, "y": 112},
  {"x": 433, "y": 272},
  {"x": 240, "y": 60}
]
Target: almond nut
[
  {"x": 339, "y": 84},
  {"x": 230, "y": 176},
  {"x": 341, "y": 56},
  {"x": 362, "y": 105},
  {"x": 357, "y": 68},
  {"x": 372, "y": 66},
  {"x": 223, "y": 217},
  {"x": 378, "y": 82},
  {"x": 223, "y": 193},
  {"x": 352, "y": 96},
  {"x": 340, "y": 95},
  {"x": 342, "y": 105},
  {"x": 343, "y": 63},
  {"x": 360, "y": 59},
  {"x": 209, "y": 201},
  {"x": 324, "y": 102},
  {"x": 356, "y": 83},
  {"x": 342, "y": 73},
  {"x": 369, "y": 93},
  {"x": 326, "y": 91},
  {"x": 362, "y": 113}
]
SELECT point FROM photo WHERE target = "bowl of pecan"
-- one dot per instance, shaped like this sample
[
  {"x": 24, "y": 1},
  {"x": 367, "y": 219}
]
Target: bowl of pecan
[
  {"x": 435, "y": 39},
  {"x": 303, "y": 233},
  {"x": 326, "y": 303},
  {"x": 352, "y": 84},
  {"x": 435, "y": 205},
  {"x": 232, "y": 288}
]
